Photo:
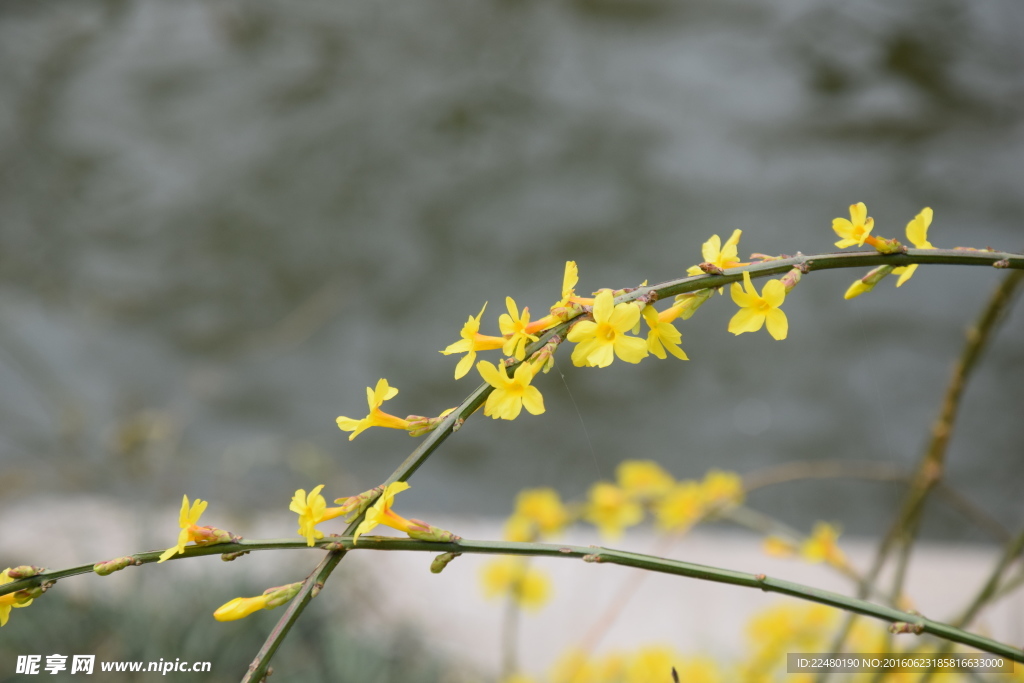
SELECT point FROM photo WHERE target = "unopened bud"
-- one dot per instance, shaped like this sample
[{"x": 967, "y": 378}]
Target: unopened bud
[
  {"x": 868, "y": 282},
  {"x": 356, "y": 505},
  {"x": 208, "y": 535},
  {"x": 279, "y": 595},
  {"x": 110, "y": 566},
  {"x": 422, "y": 531},
  {"x": 25, "y": 571},
  {"x": 689, "y": 303},
  {"x": 231, "y": 557},
  {"x": 441, "y": 561},
  {"x": 791, "y": 279},
  {"x": 888, "y": 245}
]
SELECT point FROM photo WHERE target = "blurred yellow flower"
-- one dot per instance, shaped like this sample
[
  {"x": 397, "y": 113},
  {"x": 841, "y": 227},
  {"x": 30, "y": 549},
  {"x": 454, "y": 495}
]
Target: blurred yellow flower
[
  {"x": 515, "y": 578},
  {"x": 644, "y": 479},
  {"x": 822, "y": 546},
  {"x": 611, "y": 509},
  {"x": 681, "y": 507},
  {"x": 543, "y": 508},
  {"x": 722, "y": 489}
]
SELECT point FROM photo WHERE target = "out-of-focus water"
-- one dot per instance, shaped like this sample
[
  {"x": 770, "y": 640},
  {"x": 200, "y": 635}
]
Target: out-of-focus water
[{"x": 220, "y": 221}]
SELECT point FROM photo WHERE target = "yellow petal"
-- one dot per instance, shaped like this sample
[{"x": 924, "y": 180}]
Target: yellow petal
[
  {"x": 778, "y": 324},
  {"x": 774, "y": 293},
  {"x": 630, "y": 349},
  {"x": 581, "y": 330},
  {"x": 711, "y": 249},
  {"x": 905, "y": 272},
  {"x": 624, "y": 317},
  {"x": 465, "y": 364},
  {"x": 533, "y": 401},
  {"x": 858, "y": 213},
  {"x": 917, "y": 229},
  {"x": 603, "y": 306},
  {"x": 491, "y": 374},
  {"x": 746, "y": 320}
]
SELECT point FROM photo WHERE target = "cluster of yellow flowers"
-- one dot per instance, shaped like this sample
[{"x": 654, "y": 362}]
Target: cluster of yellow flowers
[
  {"x": 641, "y": 486},
  {"x": 771, "y": 633},
  {"x": 857, "y": 231}
]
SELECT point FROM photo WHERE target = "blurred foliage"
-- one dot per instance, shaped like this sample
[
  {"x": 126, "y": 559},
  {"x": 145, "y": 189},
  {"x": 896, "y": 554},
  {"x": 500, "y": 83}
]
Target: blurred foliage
[{"x": 320, "y": 648}]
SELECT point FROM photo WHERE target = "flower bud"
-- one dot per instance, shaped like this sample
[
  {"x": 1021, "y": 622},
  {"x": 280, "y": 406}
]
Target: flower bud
[
  {"x": 442, "y": 561},
  {"x": 110, "y": 566},
  {"x": 422, "y": 531}
]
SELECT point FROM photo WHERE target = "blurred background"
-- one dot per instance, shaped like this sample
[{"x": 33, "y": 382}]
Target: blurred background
[{"x": 220, "y": 221}]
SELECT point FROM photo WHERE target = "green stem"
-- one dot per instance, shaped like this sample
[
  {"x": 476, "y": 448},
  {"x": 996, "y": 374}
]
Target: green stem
[{"x": 592, "y": 555}]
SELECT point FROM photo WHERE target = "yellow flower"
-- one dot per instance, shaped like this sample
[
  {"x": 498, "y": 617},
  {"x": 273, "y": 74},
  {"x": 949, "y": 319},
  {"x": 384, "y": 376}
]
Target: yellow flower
[
  {"x": 663, "y": 335},
  {"x": 239, "y": 608},
  {"x": 611, "y": 510},
  {"x": 722, "y": 489},
  {"x": 471, "y": 342},
  {"x": 9, "y": 601},
  {"x": 643, "y": 479},
  {"x": 776, "y": 546},
  {"x": 917, "y": 233},
  {"x": 513, "y": 328},
  {"x": 699, "y": 670},
  {"x": 380, "y": 512},
  {"x": 822, "y": 546},
  {"x": 312, "y": 509},
  {"x": 596, "y": 341},
  {"x": 856, "y": 230},
  {"x": 574, "y": 667},
  {"x": 722, "y": 256},
  {"x": 681, "y": 507},
  {"x": 543, "y": 509},
  {"x": 188, "y": 519},
  {"x": 756, "y": 309},
  {"x": 377, "y": 417},
  {"x": 651, "y": 664},
  {"x": 510, "y": 394},
  {"x": 520, "y": 529},
  {"x": 514, "y": 577}
]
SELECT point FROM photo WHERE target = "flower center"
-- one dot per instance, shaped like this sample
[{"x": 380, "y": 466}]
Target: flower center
[{"x": 606, "y": 332}]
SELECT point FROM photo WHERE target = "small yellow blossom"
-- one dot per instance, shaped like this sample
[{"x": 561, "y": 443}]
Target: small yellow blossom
[
  {"x": 917, "y": 233},
  {"x": 652, "y": 663},
  {"x": 662, "y": 335},
  {"x": 776, "y": 546},
  {"x": 856, "y": 229},
  {"x": 514, "y": 577},
  {"x": 312, "y": 509},
  {"x": 717, "y": 254},
  {"x": 681, "y": 507},
  {"x": 598, "y": 341},
  {"x": 700, "y": 670},
  {"x": 471, "y": 342},
  {"x": 644, "y": 479},
  {"x": 722, "y": 489},
  {"x": 513, "y": 328},
  {"x": 511, "y": 394},
  {"x": 188, "y": 519},
  {"x": 543, "y": 508},
  {"x": 9, "y": 601},
  {"x": 519, "y": 529},
  {"x": 757, "y": 309},
  {"x": 574, "y": 666},
  {"x": 380, "y": 512},
  {"x": 611, "y": 509},
  {"x": 239, "y": 608},
  {"x": 822, "y": 546},
  {"x": 377, "y": 417}
]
